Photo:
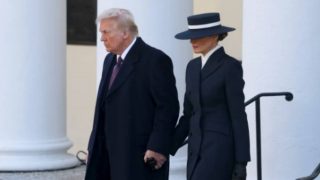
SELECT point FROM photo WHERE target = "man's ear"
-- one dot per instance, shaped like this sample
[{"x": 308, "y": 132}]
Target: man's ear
[{"x": 126, "y": 34}]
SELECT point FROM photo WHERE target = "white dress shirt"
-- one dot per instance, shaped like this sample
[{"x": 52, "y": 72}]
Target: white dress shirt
[{"x": 204, "y": 58}]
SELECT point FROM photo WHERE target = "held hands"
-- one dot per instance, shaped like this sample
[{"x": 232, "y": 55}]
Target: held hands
[
  {"x": 239, "y": 172},
  {"x": 154, "y": 160}
]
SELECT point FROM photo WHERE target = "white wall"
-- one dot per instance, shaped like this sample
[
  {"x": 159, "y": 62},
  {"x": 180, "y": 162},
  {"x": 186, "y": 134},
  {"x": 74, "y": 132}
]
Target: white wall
[
  {"x": 81, "y": 94},
  {"x": 281, "y": 52},
  {"x": 230, "y": 15}
]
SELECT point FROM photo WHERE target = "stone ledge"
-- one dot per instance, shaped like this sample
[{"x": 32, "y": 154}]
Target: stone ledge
[{"x": 76, "y": 173}]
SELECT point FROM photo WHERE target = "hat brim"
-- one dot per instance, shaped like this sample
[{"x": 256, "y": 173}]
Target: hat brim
[{"x": 199, "y": 33}]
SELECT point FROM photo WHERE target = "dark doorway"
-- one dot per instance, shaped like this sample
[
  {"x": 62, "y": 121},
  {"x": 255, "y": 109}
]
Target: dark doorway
[{"x": 81, "y": 27}]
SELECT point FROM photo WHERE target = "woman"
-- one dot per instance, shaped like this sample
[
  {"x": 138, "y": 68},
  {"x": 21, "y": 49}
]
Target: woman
[{"x": 214, "y": 118}]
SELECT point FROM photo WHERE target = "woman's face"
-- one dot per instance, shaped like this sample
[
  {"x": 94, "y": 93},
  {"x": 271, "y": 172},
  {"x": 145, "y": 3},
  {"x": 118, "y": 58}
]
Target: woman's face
[{"x": 204, "y": 45}]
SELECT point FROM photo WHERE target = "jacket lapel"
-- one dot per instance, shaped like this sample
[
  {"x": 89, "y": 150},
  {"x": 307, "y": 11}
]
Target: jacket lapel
[
  {"x": 105, "y": 71},
  {"x": 128, "y": 66},
  {"x": 195, "y": 80},
  {"x": 214, "y": 62}
]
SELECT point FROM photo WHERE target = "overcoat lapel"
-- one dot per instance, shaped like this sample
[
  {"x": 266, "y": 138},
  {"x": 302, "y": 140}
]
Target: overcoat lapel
[
  {"x": 104, "y": 79},
  {"x": 214, "y": 62},
  {"x": 127, "y": 67}
]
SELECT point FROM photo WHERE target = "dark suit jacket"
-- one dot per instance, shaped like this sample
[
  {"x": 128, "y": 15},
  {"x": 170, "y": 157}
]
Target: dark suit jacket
[
  {"x": 139, "y": 112},
  {"x": 214, "y": 118}
]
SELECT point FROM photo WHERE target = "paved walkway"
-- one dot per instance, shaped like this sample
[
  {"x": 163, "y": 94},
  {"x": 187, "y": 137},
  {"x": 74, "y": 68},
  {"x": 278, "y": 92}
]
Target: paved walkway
[{"x": 68, "y": 174}]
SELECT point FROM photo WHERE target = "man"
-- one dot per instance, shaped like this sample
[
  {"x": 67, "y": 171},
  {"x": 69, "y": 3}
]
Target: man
[{"x": 137, "y": 106}]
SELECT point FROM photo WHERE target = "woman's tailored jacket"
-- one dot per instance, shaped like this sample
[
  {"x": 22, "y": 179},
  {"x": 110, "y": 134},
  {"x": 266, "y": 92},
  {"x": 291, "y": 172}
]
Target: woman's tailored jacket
[{"x": 214, "y": 118}]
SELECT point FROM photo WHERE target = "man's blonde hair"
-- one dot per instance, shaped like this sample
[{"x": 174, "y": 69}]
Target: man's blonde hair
[{"x": 124, "y": 18}]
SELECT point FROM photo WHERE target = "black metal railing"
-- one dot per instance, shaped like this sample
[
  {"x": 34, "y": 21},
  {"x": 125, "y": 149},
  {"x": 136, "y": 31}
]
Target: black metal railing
[
  {"x": 256, "y": 99},
  {"x": 313, "y": 175}
]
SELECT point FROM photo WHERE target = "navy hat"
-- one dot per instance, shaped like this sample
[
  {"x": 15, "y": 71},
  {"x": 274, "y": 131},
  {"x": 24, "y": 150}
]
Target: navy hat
[{"x": 202, "y": 25}]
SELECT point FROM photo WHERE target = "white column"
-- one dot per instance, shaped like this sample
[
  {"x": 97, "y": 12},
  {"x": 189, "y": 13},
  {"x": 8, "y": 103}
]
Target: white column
[
  {"x": 33, "y": 86},
  {"x": 158, "y": 22},
  {"x": 281, "y": 52}
]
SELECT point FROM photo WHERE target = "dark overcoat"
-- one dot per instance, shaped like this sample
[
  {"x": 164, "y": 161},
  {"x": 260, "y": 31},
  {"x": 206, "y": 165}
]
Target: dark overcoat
[
  {"x": 214, "y": 118},
  {"x": 137, "y": 113}
]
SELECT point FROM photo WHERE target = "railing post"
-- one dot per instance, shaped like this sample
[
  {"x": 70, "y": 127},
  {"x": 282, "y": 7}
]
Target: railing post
[{"x": 258, "y": 136}]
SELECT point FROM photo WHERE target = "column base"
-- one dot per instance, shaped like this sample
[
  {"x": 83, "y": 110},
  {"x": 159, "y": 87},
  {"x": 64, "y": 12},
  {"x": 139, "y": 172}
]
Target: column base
[{"x": 36, "y": 156}]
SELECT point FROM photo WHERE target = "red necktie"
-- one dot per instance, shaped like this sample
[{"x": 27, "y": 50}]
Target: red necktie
[{"x": 115, "y": 71}]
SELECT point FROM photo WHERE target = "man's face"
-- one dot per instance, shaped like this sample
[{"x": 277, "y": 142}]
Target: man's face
[
  {"x": 112, "y": 37},
  {"x": 204, "y": 45}
]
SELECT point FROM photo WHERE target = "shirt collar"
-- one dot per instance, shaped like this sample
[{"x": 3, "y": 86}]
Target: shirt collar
[
  {"x": 125, "y": 52},
  {"x": 204, "y": 58}
]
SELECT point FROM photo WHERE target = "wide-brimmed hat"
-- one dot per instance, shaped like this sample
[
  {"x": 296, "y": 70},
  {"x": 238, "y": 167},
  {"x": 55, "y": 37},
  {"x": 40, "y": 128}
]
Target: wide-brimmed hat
[{"x": 202, "y": 25}]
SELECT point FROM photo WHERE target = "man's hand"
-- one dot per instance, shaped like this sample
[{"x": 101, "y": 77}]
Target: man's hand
[{"x": 159, "y": 158}]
